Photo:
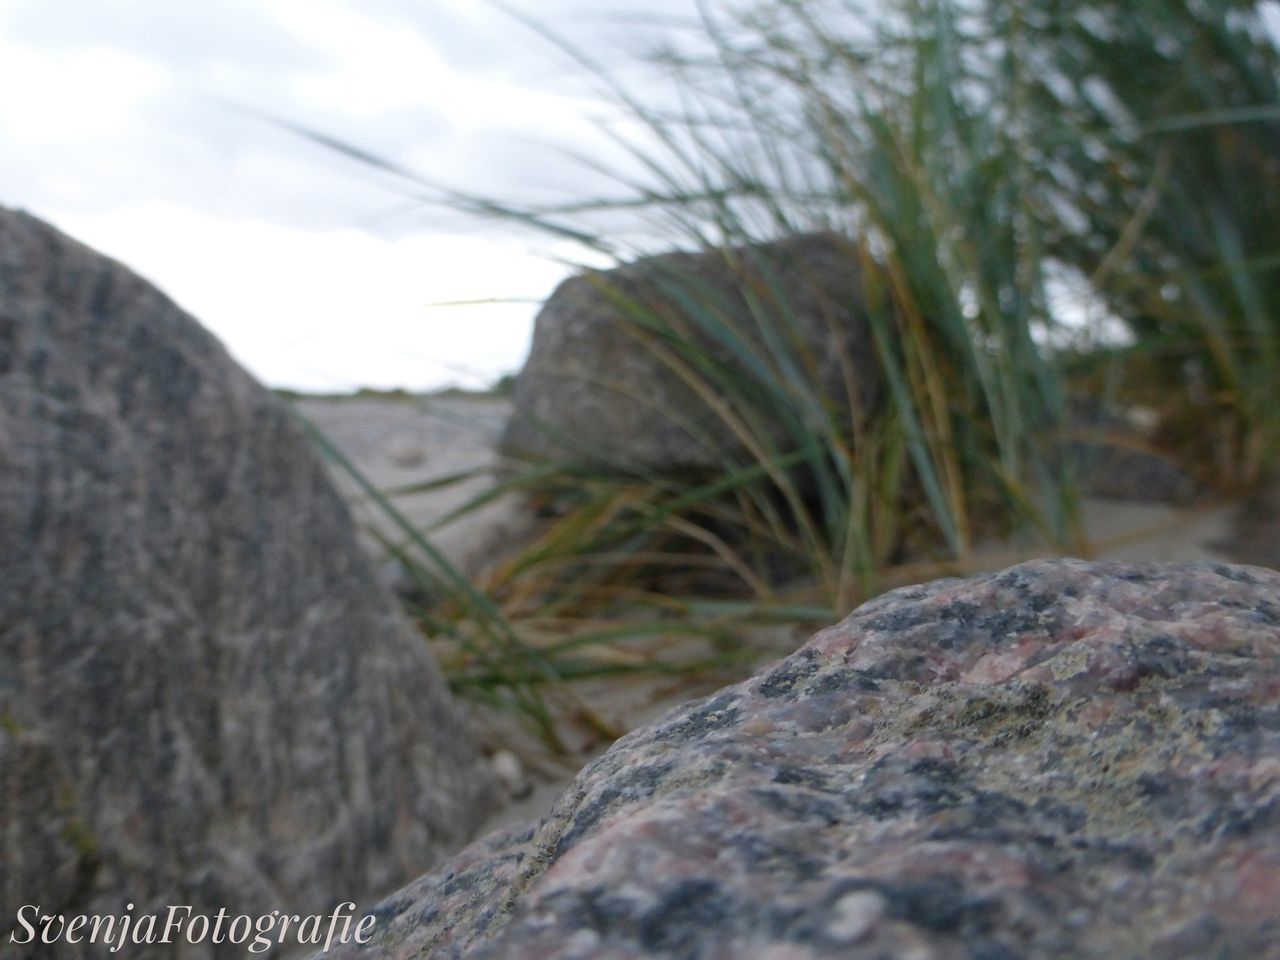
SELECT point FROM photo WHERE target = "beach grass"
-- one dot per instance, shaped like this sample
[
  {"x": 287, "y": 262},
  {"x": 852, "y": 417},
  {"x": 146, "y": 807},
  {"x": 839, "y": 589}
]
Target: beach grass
[{"x": 978, "y": 160}]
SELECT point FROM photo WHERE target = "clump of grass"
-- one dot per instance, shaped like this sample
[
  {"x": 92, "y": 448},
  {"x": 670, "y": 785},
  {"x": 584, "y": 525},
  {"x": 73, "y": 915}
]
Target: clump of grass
[
  {"x": 785, "y": 125},
  {"x": 1165, "y": 120},
  {"x": 967, "y": 156}
]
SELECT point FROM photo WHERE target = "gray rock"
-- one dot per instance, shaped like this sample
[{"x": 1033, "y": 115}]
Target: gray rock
[
  {"x": 1112, "y": 461},
  {"x": 592, "y": 390},
  {"x": 50, "y": 855},
  {"x": 1254, "y": 536},
  {"x": 1113, "y": 469},
  {"x": 406, "y": 450},
  {"x": 1062, "y": 759},
  {"x": 232, "y": 711}
]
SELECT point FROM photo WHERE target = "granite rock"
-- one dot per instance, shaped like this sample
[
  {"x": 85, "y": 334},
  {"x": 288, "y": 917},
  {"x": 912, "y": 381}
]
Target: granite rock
[
  {"x": 50, "y": 856},
  {"x": 594, "y": 390},
  {"x": 1062, "y": 759},
  {"x": 206, "y": 697}
]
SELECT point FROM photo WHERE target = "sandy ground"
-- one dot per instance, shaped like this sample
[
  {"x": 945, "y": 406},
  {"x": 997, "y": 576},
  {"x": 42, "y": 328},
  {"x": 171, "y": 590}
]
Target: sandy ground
[{"x": 402, "y": 441}]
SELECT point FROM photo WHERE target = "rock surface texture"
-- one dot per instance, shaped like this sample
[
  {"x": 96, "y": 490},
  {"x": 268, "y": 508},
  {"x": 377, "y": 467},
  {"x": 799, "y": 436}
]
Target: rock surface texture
[
  {"x": 1062, "y": 759},
  {"x": 595, "y": 389},
  {"x": 206, "y": 697}
]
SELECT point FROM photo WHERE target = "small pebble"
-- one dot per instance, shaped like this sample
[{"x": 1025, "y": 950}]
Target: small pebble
[
  {"x": 510, "y": 771},
  {"x": 854, "y": 915},
  {"x": 406, "y": 450}
]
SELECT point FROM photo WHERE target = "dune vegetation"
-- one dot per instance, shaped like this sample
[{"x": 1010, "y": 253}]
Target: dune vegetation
[{"x": 1045, "y": 201}]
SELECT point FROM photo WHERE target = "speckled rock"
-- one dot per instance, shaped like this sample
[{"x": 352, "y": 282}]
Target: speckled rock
[
  {"x": 593, "y": 390},
  {"x": 50, "y": 856},
  {"x": 1063, "y": 759},
  {"x": 206, "y": 698}
]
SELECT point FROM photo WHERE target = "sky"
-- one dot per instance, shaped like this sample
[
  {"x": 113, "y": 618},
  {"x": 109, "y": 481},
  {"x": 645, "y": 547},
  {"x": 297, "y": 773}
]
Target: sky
[{"x": 146, "y": 129}]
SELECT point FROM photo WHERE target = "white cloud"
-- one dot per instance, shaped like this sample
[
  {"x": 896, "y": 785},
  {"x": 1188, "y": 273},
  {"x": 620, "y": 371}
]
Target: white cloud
[
  {"x": 57, "y": 100},
  {"x": 115, "y": 125},
  {"x": 376, "y": 68},
  {"x": 335, "y": 309}
]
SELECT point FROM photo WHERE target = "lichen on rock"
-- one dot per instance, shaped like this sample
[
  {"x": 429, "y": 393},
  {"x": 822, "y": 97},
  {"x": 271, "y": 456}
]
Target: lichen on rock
[{"x": 1061, "y": 759}]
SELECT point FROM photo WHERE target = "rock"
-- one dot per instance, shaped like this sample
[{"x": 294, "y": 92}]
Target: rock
[
  {"x": 240, "y": 716},
  {"x": 406, "y": 450},
  {"x": 1255, "y": 529},
  {"x": 1062, "y": 759},
  {"x": 1114, "y": 470},
  {"x": 510, "y": 772},
  {"x": 1112, "y": 460},
  {"x": 50, "y": 856},
  {"x": 593, "y": 391}
]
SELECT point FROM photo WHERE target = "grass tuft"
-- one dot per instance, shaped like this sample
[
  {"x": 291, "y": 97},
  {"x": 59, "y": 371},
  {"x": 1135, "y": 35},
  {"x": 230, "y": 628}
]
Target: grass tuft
[{"x": 968, "y": 157}]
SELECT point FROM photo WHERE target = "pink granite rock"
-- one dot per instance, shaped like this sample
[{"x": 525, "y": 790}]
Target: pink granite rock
[{"x": 1063, "y": 759}]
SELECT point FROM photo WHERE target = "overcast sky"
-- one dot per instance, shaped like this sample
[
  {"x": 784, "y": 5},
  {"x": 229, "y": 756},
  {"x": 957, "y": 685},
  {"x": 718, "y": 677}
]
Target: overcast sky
[{"x": 129, "y": 124}]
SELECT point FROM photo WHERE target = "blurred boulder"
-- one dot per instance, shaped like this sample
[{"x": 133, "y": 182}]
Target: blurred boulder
[
  {"x": 784, "y": 321},
  {"x": 1254, "y": 534},
  {"x": 1061, "y": 759},
  {"x": 233, "y": 713},
  {"x": 1112, "y": 460},
  {"x": 50, "y": 856}
]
